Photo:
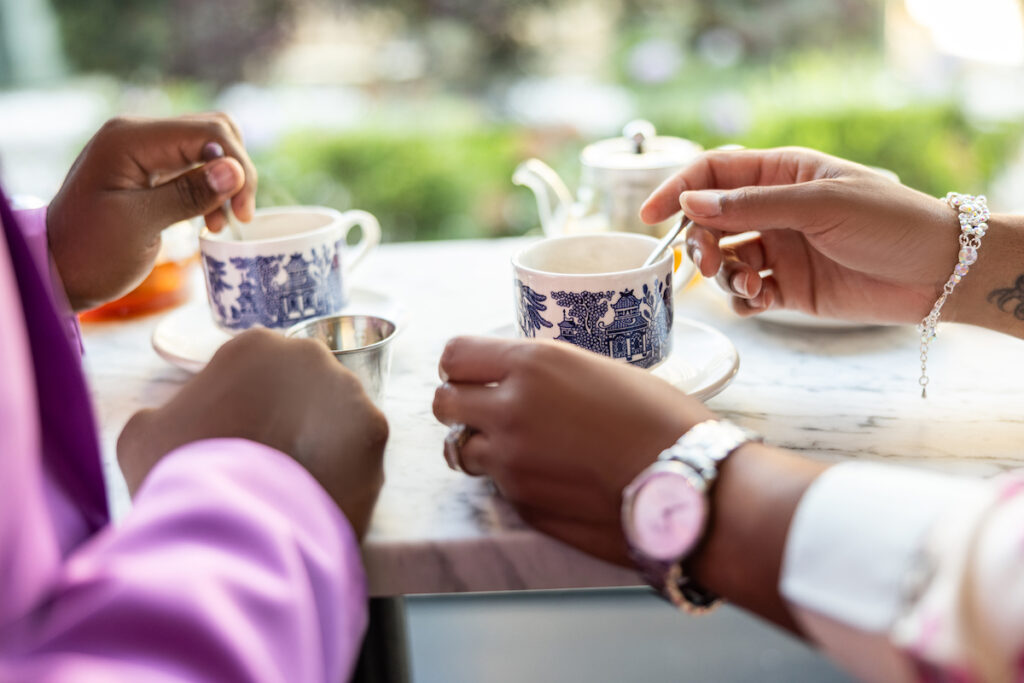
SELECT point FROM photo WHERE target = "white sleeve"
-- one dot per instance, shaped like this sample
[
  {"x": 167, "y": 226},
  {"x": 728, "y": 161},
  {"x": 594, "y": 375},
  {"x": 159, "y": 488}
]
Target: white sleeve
[{"x": 855, "y": 557}]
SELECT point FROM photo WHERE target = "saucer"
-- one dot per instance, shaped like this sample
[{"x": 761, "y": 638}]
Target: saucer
[
  {"x": 790, "y": 318},
  {"x": 702, "y": 363},
  {"x": 187, "y": 337},
  {"x": 798, "y": 319}
]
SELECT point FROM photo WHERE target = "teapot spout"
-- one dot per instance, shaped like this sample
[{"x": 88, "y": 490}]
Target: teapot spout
[{"x": 553, "y": 197}]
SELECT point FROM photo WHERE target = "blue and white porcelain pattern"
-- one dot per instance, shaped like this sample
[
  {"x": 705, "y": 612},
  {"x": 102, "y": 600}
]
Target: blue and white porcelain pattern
[
  {"x": 587, "y": 291},
  {"x": 620, "y": 325},
  {"x": 274, "y": 291},
  {"x": 291, "y": 267}
]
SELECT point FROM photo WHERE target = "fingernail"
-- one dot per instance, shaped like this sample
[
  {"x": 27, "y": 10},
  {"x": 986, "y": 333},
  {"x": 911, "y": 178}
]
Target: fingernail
[
  {"x": 696, "y": 258},
  {"x": 739, "y": 284},
  {"x": 221, "y": 177},
  {"x": 702, "y": 204},
  {"x": 212, "y": 150}
]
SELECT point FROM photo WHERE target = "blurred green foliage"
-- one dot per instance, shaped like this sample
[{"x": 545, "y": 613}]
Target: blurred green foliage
[
  {"x": 151, "y": 40},
  {"x": 421, "y": 186},
  {"x": 934, "y": 148},
  {"x": 458, "y": 184},
  {"x": 121, "y": 37}
]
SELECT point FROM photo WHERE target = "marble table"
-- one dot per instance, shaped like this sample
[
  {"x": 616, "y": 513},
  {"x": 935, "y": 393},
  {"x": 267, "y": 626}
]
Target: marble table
[{"x": 831, "y": 394}]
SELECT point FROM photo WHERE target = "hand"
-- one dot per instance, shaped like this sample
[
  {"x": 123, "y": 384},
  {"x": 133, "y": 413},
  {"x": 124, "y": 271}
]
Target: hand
[
  {"x": 290, "y": 394},
  {"x": 561, "y": 431},
  {"x": 133, "y": 179},
  {"x": 839, "y": 239}
]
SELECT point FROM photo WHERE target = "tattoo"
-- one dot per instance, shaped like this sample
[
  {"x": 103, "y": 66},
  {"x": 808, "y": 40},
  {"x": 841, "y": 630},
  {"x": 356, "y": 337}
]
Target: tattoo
[{"x": 1002, "y": 297}]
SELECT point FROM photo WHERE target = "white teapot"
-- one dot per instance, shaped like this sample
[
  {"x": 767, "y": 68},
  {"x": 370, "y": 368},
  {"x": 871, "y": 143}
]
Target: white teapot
[{"x": 618, "y": 175}]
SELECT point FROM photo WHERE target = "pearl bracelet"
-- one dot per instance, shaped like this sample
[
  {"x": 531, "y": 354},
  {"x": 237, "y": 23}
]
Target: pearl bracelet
[{"x": 973, "y": 214}]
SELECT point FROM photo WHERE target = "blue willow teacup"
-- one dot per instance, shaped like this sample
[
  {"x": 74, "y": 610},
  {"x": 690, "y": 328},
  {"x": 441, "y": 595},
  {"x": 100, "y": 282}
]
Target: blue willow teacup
[
  {"x": 593, "y": 291},
  {"x": 291, "y": 266}
]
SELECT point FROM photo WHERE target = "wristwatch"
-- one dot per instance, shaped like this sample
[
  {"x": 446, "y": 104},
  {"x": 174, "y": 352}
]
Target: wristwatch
[{"x": 665, "y": 509}]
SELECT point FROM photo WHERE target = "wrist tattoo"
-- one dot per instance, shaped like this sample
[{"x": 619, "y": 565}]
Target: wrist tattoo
[{"x": 1006, "y": 296}]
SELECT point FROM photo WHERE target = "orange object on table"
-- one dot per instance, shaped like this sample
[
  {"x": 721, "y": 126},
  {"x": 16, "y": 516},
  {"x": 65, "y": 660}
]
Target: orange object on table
[
  {"x": 169, "y": 283},
  {"x": 166, "y": 286}
]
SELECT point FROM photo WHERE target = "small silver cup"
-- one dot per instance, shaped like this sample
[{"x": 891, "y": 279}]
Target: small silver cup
[{"x": 362, "y": 343}]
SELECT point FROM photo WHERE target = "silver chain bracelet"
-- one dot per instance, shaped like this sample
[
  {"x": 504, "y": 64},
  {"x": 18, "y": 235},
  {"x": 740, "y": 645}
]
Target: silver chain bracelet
[{"x": 973, "y": 214}]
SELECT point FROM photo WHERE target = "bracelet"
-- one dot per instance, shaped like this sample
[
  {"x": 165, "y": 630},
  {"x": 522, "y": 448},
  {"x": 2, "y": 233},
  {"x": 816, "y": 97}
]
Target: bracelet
[{"x": 973, "y": 214}]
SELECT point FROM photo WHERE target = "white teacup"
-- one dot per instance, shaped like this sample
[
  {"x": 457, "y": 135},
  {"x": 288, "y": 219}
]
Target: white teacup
[
  {"x": 594, "y": 292},
  {"x": 292, "y": 266}
]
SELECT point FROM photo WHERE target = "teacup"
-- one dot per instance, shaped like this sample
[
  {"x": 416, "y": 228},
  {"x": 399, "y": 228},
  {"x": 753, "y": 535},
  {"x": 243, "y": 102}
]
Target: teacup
[
  {"x": 291, "y": 266},
  {"x": 594, "y": 292}
]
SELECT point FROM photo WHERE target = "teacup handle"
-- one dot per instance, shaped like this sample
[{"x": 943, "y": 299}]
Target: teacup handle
[{"x": 371, "y": 235}]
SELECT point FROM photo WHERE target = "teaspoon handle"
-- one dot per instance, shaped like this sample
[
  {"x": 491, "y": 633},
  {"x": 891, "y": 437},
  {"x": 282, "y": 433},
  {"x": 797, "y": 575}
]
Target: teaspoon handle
[{"x": 667, "y": 240}]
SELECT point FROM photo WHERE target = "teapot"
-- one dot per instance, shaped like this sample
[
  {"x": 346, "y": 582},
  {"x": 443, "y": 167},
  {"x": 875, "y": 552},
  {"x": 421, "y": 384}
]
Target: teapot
[{"x": 618, "y": 175}]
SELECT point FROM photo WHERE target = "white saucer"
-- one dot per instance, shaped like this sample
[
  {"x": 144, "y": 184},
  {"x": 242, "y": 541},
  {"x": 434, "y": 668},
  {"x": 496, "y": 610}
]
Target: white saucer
[
  {"x": 187, "y": 337},
  {"x": 798, "y": 319},
  {"x": 703, "y": 360},
  {"x": 790, "y": 318}
]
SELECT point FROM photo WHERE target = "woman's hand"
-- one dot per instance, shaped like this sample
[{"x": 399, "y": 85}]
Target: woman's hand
[
  {"x": 561, "y": 431},
  {"x": 840, "y": 239},
  {"x": 133, "y": 179}
]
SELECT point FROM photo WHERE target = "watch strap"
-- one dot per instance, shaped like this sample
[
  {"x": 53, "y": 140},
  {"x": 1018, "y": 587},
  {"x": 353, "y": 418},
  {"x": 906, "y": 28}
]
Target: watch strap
[
  {"x": 673, "y": 584},
  {"x": 707, "y": 444}
]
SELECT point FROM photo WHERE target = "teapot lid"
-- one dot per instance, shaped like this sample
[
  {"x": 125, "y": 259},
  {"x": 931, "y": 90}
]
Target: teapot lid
[{"x": 639, "y": 148}]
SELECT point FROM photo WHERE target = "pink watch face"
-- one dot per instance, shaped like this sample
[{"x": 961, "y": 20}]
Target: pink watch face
[{"x": 668, "y": 517}]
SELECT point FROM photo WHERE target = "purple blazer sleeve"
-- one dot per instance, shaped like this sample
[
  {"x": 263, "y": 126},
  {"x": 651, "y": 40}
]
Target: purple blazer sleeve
[
  {"x": 32, "y": 223},
  {"x": 234, "y": 565}
]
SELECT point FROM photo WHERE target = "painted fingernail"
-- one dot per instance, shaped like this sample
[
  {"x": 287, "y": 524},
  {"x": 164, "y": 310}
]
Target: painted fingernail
[
  {"x": 212, "y": 150},
  {"x": 702, "y": 204},
  {"x": 740, "y": 284},
  {"x": 221, "y": 177},
  {"x": 696, "y": 258}
]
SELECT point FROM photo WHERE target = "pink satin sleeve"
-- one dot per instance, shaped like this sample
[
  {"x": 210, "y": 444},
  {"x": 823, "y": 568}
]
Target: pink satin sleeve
[{"x": 234, "y": 564}]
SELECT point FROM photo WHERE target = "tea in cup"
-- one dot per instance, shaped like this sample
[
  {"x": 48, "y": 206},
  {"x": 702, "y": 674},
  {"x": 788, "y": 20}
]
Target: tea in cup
[
  {"x": 593, "y": 291},
  {"x": 292, "y": 266}
]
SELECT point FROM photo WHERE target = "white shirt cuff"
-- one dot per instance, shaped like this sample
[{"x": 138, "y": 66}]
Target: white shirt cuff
[{"x": 856, "y": 535}]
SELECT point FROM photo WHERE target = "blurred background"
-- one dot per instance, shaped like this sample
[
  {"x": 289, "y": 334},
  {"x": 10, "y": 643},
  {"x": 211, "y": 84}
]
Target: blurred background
[{"x": 419, "y": 110}]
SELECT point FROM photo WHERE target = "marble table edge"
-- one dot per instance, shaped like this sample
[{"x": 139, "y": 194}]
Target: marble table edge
[{"x": 517, "y": 560}]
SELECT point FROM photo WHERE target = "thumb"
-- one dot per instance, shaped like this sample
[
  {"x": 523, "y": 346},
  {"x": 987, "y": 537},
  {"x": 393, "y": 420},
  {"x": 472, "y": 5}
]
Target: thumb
[
  {"x": 196, "y": 193},
  {"x": 800, "y": 206}
]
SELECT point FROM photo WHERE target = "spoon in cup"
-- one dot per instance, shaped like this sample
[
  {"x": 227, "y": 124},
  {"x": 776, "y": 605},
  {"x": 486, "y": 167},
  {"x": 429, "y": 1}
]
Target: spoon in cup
[
  {"x": 667, "y": 241},
  {"x": 233, "y": 222}
]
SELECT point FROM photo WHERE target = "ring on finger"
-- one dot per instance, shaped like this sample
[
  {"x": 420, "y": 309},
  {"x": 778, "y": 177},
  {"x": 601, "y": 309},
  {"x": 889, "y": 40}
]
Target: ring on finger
[{"x": 457, "y": 437}]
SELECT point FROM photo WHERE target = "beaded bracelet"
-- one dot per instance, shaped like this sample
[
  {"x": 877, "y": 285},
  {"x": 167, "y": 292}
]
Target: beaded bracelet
[{"x": 973, "y": 214}]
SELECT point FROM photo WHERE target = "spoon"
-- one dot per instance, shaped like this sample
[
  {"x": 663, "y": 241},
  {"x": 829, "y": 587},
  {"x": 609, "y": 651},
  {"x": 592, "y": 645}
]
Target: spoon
[
  {"x": 233, "y": 222},
  {"x": 667, "y": 241}
]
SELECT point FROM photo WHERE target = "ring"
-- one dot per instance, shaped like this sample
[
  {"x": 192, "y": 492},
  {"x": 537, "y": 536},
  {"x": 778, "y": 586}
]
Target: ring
[{"x": 457, "y": 437}]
